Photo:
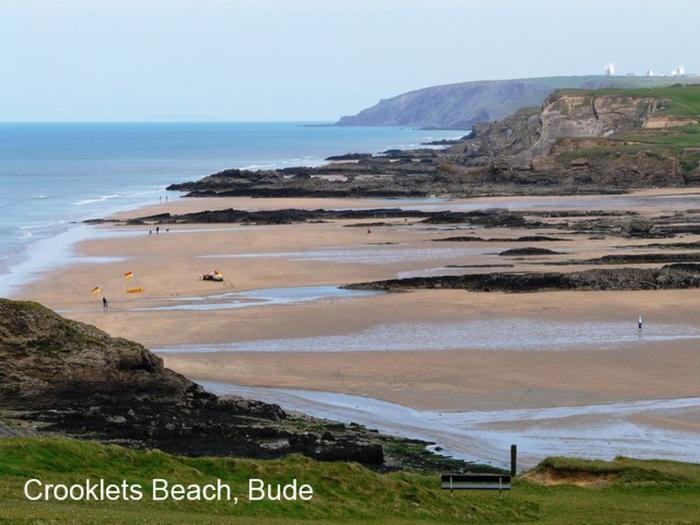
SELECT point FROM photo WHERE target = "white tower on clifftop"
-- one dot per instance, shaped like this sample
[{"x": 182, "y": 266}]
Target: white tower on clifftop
[{"x": 609, "y": 69}]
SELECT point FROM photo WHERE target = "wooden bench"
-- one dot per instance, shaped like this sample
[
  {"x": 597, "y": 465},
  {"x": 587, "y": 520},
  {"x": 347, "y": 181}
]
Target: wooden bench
[
  {"x": 482, "y": 481},
  {"x": 476, "y": 481}
]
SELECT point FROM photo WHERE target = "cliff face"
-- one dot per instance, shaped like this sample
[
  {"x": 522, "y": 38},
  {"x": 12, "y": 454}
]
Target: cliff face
[
  {"x": 460, "y": 106},
  {"x": 585, "y": 116},
  {"x": 575, "y": 136},
  {"x": 532, "y": 133},
  {"x": 43, "y": 356}
]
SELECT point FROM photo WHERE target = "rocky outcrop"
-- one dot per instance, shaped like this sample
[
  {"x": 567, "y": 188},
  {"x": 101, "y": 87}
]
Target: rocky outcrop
[
  {"x": 47, "y": 357},
  {"x": 349, "y": 156},
  {"x": 492, "y": 217},
  {"x": 519, "y": 252},
  {"x": 693, "y": 245},
  {"x": 635, "y": 258},
  {"x": 667, "y": 277},
  {"x": 64, "y": 377},
  {"x": 634, "y": 227},
  {"x": 524, "y": 238},
  {"x": 520, "y": 139},
  {"x": 567, "y": 115}
]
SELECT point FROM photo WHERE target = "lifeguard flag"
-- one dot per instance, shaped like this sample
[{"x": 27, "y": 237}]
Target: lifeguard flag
[
  {"x": 95, "y": 290},
  {"x": 129, "y": 275}
]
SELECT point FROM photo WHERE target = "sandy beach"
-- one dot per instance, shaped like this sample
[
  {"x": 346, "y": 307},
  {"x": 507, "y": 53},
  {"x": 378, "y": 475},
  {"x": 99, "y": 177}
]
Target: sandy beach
[{"x": 279, "y": 296}]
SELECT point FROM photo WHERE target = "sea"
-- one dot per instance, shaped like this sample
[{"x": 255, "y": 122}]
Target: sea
[{"x": 55, "y": 175}]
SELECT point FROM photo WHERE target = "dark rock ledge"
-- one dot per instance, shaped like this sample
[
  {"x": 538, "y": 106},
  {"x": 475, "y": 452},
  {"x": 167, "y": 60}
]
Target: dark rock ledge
[{"x": 667, "y": 277}]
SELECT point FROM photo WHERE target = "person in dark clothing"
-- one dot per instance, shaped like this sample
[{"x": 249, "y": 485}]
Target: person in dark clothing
[{"x": 105, "y": 303}]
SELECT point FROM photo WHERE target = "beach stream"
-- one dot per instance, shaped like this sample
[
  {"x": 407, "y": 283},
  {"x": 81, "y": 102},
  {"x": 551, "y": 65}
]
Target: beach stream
[{"x": 591, "y": 431}]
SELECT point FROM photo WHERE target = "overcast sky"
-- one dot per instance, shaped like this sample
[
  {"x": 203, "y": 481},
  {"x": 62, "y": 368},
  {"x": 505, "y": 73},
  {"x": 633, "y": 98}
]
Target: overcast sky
[{"x": 84, "y": 60}]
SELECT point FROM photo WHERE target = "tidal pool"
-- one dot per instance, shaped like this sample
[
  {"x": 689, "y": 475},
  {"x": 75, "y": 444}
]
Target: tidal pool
[
  {"x": 261, "y": 297},
  {"x": 364, "y": 254},
  {"x": 593, "y": 202},
  {"x": 491, "y": 334}
]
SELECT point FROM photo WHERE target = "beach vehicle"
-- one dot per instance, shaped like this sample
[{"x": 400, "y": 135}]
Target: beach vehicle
[{"x": 216, "y": 275}]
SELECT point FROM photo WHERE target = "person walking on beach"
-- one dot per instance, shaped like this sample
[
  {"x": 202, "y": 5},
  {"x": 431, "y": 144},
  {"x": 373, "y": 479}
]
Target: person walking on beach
[
  {"x": 105, "y": 303},
  {"x": 640, "y": 322},
  {"x": 157, "y": 230}
]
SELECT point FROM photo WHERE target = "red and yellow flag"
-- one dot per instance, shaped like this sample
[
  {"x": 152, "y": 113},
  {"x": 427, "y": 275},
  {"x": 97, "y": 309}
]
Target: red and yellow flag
[
  {"x": 96, "y": 290},
  {"x": 129, "y": 275}
]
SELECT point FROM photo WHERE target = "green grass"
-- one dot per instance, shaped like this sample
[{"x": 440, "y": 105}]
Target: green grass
[
  {"x": 684, "y": 98},
  {"x": 643, "y": 491}
]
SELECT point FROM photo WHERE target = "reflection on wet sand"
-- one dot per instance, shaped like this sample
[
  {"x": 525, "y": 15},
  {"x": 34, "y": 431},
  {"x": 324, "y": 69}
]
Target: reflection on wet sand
[{"x": 491, "y": 334}]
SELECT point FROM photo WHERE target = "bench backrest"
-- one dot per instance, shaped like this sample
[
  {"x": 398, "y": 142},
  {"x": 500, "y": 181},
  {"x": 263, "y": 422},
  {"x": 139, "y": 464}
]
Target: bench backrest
[{"x": 476, "y": 481}]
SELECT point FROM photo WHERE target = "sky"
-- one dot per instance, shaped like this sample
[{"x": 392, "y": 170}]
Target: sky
[{"x": 309, "y": 60}]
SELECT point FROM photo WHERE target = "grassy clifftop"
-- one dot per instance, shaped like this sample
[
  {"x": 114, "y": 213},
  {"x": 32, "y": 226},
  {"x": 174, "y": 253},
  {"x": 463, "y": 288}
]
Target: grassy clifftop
[
  {"x": 622, "y": 491},
  {"x": 684, "y": 98}
]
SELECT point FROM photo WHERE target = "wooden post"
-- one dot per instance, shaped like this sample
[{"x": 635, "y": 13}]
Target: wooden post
[{"x": 513, "y": 460}]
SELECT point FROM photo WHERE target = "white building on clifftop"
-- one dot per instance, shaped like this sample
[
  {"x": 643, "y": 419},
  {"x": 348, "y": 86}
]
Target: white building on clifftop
[{"x": 679, "y": 71}]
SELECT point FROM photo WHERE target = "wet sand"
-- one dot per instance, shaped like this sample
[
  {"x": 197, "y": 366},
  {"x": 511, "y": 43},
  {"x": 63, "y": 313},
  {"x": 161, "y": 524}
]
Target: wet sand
[
  {"x": 465, "y": 380},
  {"x": 179, "y": 312}
]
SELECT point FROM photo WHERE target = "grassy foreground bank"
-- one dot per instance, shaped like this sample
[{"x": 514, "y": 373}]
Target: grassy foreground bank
[{"x": 622, "y": 491}]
